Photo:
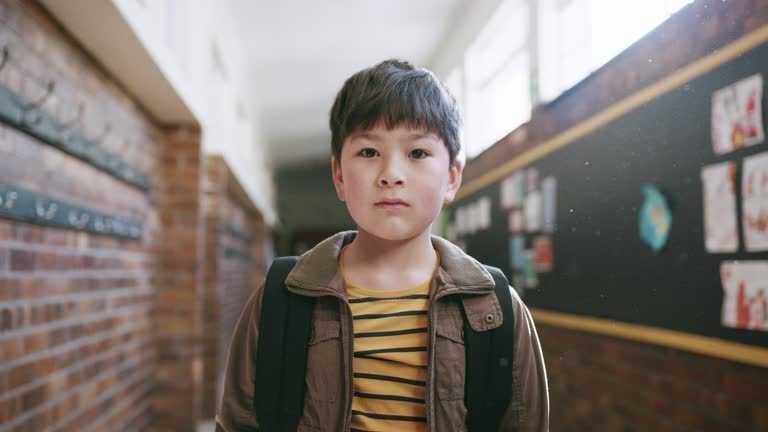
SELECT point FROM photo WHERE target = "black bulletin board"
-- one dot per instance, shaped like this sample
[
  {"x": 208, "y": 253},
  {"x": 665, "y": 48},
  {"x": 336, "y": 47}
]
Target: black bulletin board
[{"x": 602, "y": 268}]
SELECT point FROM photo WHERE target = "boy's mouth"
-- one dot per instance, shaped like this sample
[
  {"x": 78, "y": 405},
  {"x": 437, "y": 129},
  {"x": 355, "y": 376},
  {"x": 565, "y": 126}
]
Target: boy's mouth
[{"x": 391, "y": 204}]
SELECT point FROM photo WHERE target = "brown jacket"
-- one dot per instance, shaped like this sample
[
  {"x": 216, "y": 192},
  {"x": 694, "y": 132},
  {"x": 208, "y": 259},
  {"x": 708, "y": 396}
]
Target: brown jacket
[{"x": 460, "y": 279}]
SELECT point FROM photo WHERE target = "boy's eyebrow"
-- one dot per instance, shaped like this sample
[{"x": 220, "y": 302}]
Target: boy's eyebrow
[{"x": 365, "y": 135}]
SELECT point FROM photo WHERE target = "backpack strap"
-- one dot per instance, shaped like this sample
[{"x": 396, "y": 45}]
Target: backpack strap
[
  {"x": 489, "y": 355},
  {"x": 281, "y": 355}
]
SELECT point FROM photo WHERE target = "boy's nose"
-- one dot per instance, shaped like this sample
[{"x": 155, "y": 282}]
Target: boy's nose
[{"x": 391, "y": 175}]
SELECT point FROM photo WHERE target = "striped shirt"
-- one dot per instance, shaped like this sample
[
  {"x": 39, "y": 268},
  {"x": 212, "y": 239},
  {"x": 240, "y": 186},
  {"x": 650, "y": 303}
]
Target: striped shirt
[{"x": 390, "y": 357}]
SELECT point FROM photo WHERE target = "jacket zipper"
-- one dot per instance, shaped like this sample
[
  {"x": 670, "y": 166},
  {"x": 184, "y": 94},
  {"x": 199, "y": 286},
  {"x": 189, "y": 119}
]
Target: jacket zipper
[{"x": 350, "y": 376}]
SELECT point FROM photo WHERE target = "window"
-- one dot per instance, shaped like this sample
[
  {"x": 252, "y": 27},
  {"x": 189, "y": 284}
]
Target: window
[
  {"x": 578, "y": 36},
  {"x": 497, "y": 78}
]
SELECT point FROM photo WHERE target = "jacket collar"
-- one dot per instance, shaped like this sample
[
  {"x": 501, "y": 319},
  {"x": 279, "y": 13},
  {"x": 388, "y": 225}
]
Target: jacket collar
[{"x": 317, "y": 272}]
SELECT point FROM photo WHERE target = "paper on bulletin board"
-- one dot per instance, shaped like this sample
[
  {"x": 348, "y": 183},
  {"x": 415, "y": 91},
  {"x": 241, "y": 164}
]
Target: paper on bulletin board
[
  {"x": 745, "y": 294},
  {"x": 737, "y": 118},
  {"x": 549, "y": 191},
  {"x": 533, "y": 211},
  {"x": 720, "y": 223},
  {"x": 484, "y": 205},
  {"x": 542, "y": 248},
  {"x": 754, "y": 194},
  {"x": 655, "y": 218},
  {"x": 516, "y": 221},
  {"x": 517, "y": 252},
  {"x": 531, "y": 275},
  {"x": 531, "y": 180}
]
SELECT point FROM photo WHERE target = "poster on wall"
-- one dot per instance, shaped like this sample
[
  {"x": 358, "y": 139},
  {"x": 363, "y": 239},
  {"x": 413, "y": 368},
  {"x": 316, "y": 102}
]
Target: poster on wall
[
  {"x": 549, "y": 191},
  {"x": 517, "y": 252},
  {"x": 533, "y": 212},
  {"x": 745, "y": 294},
  {"x": 754, "y": 194},
  {"x": 737, "y": 118},
  {"x": 542, "y": 248},
  {"x": 655, "y": 218},
  {"x": 720, "y": 223}
]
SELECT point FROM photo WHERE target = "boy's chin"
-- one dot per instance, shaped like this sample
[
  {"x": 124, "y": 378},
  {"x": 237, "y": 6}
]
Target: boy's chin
[{"x": 394, "y": 233}]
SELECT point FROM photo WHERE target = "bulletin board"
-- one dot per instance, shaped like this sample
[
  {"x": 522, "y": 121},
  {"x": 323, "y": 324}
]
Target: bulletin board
[{"x": 600, "y": 265}]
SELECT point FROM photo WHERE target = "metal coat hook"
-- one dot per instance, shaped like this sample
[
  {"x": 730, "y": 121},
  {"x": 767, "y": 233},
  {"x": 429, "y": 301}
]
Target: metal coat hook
[{"x": 49, "y": 88}]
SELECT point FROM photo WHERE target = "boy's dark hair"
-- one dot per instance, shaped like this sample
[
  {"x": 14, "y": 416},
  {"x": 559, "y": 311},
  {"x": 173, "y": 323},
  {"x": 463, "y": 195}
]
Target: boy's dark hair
[{"x": 394, "y": 93}]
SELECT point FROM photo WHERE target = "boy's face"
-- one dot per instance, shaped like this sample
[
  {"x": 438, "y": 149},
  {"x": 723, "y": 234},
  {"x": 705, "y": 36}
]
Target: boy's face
[{"x": 395, "y": 181}]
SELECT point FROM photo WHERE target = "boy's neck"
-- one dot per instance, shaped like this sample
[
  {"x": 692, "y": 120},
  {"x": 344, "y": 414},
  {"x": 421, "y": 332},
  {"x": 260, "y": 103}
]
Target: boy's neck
[{"x": 374, "y": 263}]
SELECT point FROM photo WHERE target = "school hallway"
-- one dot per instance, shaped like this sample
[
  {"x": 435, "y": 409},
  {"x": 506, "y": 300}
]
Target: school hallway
[{"x": 157, "y": 156}]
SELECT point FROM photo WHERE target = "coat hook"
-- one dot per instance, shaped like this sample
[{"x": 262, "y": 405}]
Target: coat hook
[{"x": 41, "y": 100}]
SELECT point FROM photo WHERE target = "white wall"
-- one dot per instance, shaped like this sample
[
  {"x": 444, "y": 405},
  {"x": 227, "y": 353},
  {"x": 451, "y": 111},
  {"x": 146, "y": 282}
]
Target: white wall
[{"x": 193, "y": 43}]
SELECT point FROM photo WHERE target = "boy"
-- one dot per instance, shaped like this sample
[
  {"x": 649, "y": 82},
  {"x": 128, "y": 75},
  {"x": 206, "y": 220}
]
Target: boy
[{"x": 386, "y": 350}]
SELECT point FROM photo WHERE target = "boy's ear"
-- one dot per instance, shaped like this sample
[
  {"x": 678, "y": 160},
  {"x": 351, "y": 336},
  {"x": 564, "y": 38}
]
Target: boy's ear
[
  {"x": 338, "y": 178},
  {"x": 454, "y": 182}
]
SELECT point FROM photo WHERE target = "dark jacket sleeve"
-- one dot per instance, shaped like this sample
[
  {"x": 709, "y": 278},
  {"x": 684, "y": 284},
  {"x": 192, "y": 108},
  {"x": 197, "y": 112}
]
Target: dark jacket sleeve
[
  {"x": 236, "y": 412},
  {"x": 529, "y": 409}
]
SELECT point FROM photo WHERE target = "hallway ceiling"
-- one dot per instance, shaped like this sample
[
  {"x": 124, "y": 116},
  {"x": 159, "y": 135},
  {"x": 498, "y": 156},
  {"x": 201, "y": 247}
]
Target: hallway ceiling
[{"x": 300, "y": 53}]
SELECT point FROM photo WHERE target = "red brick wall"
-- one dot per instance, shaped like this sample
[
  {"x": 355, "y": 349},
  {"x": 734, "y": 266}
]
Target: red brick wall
[
  {"x": 602, "y": 383},
  {"x": 599, "y": 383},
  {"x": 76, "y": 334},
  {"x": 179, "y": 284},
  {"x": 236, "y": 238}
]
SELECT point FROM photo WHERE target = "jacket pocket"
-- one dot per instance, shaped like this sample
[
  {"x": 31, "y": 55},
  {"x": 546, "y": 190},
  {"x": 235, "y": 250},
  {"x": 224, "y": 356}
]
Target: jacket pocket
[
  {"x": 324, "y": 361},
  {"x": 450, "y": 363}
]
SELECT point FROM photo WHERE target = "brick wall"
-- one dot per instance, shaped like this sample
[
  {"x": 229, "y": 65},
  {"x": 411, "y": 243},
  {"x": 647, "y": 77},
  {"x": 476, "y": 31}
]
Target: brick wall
[
  {"x": 600, "y": 383},
  {"x": 179, "y": 283},
  {"x": 76, "y": 335},
  {"x": 236, "y": 241}
]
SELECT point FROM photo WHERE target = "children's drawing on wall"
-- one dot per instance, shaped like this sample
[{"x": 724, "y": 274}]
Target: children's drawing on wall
[
  {"x": 549, "y": 191},
  {"x": 542, "y": 248},
  {"x": 754, "y": 194},
  {"x": 655, "y": 218},
  {"x": 720, "y": 225},
  {"x": 533, "y": 202},
  {"x": 745, "y": 294},
  {"x": 512, "y": 191},
  {"x": 737, "y": 118}
]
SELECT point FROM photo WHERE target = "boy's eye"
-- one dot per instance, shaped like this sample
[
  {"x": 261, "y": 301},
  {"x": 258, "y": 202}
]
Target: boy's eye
[
  {"x": 418, "y": 154},
  {"x": 368, "y": 153}
]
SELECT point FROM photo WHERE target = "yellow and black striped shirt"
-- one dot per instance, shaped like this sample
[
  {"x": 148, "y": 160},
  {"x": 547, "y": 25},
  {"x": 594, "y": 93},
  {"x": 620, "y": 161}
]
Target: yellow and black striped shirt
[{"x": 390, "y": 357}]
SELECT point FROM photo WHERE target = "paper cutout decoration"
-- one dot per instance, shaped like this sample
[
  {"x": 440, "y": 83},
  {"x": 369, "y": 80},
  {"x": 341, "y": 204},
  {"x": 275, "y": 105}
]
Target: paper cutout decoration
[
  {"x": 484, "y": 205},
  {"x": 737, "y": 117},
  {"x": 533, "y": 212},
  {"x": 531, "y": 276},
  {"x": 754, "y": 192},
  {"x": 655, "y": 218},
  {"x": 516, "y": 221},
  {"x": 720, "y": 225},
  {"x": 549, "y": 190},
  {"x": 542, "y": 247},
  {"x": 531, "y": 180},
  {"x": 745, "y": 294},
  {"x": 512, "y": 191},
  {"x": 517, "y": 252}
]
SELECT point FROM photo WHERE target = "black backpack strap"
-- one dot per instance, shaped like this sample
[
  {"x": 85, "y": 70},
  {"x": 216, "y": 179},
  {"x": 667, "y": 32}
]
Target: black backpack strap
[
  {"x": 281, "y": 356},
  {"x": 489, "y": 355}
]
